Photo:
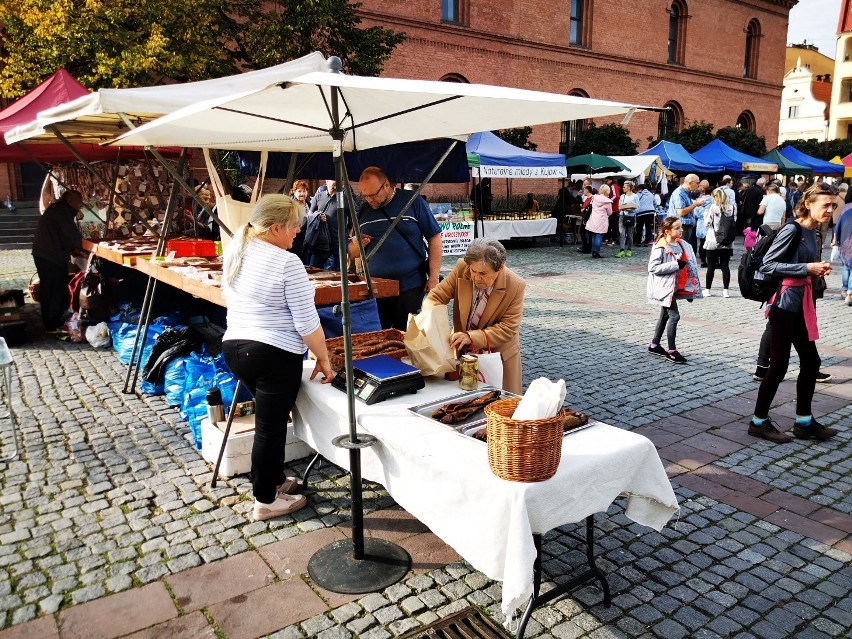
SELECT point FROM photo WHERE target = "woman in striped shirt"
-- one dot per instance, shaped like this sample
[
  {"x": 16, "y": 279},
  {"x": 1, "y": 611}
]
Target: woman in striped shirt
[{"x": 271, "y": 321}]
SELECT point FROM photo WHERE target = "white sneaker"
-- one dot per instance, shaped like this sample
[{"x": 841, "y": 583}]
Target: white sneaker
[
  {"x": 725, "y": 293},
  {"x": 849, "y": 300},
  {"x": 706, "y": 292},
  {"x": 290, "y": 485},
  {"x": 283, "y": 505}
]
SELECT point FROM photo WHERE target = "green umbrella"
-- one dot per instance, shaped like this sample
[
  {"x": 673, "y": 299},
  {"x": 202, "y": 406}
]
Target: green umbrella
[
  {"x": 595, "y": 163},
  {"x": 785, "y": 165}
]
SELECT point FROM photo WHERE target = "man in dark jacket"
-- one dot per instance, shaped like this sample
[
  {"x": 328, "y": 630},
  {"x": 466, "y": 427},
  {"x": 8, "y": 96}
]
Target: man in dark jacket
[
  {"x": 56, "y": 239},
  {"x": 751, "y": 202}
]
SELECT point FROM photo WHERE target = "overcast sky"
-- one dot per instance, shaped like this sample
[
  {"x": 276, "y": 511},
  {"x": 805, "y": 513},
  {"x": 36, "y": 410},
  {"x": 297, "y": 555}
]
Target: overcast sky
[{"x": 816, "y": 22}]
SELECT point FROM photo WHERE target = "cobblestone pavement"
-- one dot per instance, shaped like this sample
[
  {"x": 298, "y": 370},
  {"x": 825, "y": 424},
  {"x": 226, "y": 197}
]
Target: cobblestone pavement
[{"x": 108, "y": 526}]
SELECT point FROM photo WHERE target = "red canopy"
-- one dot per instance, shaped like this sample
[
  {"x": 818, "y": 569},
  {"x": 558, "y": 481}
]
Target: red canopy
[{"x": 59, "y": 88}]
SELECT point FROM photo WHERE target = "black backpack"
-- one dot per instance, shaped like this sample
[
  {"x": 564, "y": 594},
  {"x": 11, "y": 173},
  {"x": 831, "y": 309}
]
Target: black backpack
[{"x": 755, "y": 285}]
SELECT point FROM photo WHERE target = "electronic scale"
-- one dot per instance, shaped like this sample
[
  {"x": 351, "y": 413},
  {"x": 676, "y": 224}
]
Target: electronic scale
[{"x": 379, "y": 378}]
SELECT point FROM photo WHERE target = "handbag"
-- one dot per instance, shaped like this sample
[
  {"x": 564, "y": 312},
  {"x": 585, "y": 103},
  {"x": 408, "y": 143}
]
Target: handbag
[
  {"x": 628, "y": 219},
  {"x": 234, "y": 214},
  {"x": 490, "y": 365}
]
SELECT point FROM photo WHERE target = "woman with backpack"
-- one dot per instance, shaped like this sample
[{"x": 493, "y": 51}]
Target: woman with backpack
[
  {"x": 721, "y": 230},
  {"x": 792, "y": 316}
]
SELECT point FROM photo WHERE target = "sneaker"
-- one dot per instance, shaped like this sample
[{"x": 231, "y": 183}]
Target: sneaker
[
  {"x": 675, "y": 357},
  {"x": 759, "y": 373},
  {"x": 769, "y": 430},
  {"x": 814, "y": 430},
  {"x": 620, "y": 254},
  {"x": 822, "y": 378},
  {"x": 629, "y": 253},
  {"x": 725, "y": 293},
  {"x": 288, "y": 487},
  {"x": 849, "y": 300},
  {"x": 657, "y": 350},
  {"x": 843, "y": 294},
  {"x": 283, "y": 505},
  {"x": 706, "y": 292}
]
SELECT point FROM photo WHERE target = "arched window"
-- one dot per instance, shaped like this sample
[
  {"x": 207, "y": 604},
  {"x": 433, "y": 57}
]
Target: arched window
[
  {"x": 746, "y": 121},
  {"x": 752, "y": 48},
  {"x": 454, "y": 77},
  {"x": 580, "y": 23},
  {"x": 571, "y": 130},
  {"x": 670, "y": 120},
  {"x": 677, "y": 32}
]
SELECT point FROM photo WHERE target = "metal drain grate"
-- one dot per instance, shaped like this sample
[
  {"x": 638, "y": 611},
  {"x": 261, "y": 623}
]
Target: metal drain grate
[{"x": 468, "y": 623}]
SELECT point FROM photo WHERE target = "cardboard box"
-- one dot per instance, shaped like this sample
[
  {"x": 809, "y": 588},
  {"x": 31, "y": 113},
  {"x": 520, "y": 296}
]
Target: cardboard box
[{"x": 237, "y": 457}]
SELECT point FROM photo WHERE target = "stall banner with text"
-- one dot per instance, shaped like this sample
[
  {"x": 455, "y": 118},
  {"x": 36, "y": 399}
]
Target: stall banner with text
[
  {"x": 486, "y": 171},
  {"x": 456, "y": 237}
]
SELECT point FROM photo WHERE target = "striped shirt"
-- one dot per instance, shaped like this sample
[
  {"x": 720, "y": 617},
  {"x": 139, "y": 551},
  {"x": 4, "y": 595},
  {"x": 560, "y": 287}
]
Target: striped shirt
[{"x": 271, "y": 300}]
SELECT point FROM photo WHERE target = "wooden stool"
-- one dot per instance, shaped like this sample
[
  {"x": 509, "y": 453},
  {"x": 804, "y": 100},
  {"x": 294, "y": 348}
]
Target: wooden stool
[{"x": 6, "y": 363}]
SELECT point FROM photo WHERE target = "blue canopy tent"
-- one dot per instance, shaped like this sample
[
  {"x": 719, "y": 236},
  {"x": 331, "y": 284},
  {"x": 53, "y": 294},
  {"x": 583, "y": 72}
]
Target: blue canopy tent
[
  {"x": 820, "y": 167},
  {"x": 717, "y": 152},
  {"x": 676, "y": 158},
  {"x": 405, "y": 162},
  {"x": 489, "y": 156}
]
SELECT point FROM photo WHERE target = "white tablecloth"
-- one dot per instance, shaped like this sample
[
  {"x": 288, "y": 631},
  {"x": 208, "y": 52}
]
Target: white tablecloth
[
  {"x": 443, "y": 479},
  {"x": 505, "y": 229}
]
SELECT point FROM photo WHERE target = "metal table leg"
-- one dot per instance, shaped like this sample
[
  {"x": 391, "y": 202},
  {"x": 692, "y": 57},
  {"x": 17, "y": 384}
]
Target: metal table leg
[
  {"x": 7, "y": 378},
  {"x": 593, "y": 572}
]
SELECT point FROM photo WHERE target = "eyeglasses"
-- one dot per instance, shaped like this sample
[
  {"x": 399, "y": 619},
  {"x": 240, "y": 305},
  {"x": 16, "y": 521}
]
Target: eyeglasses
[{"x": 370, "y": 196}]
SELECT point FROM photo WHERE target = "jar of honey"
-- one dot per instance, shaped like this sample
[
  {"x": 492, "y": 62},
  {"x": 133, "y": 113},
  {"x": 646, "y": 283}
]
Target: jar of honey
[{"x": 469, "y": 372}]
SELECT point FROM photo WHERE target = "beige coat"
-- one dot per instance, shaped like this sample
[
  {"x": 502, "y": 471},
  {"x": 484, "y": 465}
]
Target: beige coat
[{"x": 501, "y": 319}]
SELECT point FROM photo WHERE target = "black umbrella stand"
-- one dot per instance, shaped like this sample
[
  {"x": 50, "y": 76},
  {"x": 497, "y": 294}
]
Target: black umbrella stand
[{"x": 357, "y": 565}]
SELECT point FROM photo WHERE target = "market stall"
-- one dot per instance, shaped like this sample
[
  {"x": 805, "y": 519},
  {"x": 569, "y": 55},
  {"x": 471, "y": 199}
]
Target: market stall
[
  {"x": 676, "y": 158},
  {"x": 819, "y": 167},
  {"x": 307, "y": 115},
  {"x": 719, "y": 153}
]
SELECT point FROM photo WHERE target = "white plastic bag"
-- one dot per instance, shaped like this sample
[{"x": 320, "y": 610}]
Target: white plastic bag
[
  {"x": 98, "y": 335},
  {"x": 491, "y": 369},
  {"x": 835, "y": 255}
]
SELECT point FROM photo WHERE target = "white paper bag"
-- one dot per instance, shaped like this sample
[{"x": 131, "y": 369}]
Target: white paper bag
[
  {"x": 491, "y": 369},
  {"x": 427, "y": 341},
  {"x": 543, "y": 399}
]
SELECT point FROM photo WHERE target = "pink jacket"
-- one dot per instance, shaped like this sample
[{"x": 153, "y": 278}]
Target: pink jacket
[{"x": 601, "y": 210}]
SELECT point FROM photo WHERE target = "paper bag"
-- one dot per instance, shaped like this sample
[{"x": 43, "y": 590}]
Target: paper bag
[
  {"x": 491, "y": 369},
  {"x": 427, "y": 341}
]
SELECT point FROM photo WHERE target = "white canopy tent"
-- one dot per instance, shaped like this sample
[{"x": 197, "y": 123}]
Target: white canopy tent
[
  {"x": 296, "y": 115},
  {"x": 637, "y": 165},
  {"x": 97, "y": 117}
]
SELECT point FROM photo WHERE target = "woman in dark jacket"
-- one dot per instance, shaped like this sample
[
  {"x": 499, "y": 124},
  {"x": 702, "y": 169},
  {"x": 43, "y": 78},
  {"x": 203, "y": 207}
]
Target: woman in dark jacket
[{"x": 792, "y": 316}]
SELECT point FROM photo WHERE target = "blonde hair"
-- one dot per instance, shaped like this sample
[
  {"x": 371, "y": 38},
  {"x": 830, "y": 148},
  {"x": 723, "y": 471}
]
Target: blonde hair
[
  {"x": 721, "y": 198},
  {"x": 604, "y": 190},
  {"x": 269, "y": 210}
]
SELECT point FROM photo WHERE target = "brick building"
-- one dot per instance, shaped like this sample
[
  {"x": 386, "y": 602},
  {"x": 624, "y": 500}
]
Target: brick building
[{"x": 721, "y": 61}]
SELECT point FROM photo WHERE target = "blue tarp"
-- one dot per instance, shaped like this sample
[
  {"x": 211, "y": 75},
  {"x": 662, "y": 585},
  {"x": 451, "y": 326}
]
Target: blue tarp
[
  {"x": 820, "y": 167},
  {"x": 493, "y": 151},
  {"x": 717, "y": 152},
  {"x": 406, "y": 162},
  {"x": 676, "y": 158}
]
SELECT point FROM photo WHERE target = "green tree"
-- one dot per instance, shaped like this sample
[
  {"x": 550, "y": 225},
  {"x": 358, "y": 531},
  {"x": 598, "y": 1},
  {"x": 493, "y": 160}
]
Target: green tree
[
  {"x": 609, "y": 139},
  {"x": 743, "y": 140},
  {"x": 824, "y": 150},
  {"x": 692, "y": 137},
  {"x": 124, "y": 43},
  {"x": 519, "y": 137}
]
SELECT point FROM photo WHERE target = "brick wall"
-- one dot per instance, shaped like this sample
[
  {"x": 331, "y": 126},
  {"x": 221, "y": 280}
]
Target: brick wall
[{"x": 523, "y": 43}]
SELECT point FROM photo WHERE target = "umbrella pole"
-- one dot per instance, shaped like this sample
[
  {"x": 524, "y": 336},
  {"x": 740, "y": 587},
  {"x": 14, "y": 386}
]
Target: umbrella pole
[{"x": 358, "y": 565}]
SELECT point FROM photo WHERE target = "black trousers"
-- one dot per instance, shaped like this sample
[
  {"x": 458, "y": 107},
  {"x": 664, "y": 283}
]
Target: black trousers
[
  {"x": 53, "y": 292},
  {"x": 690, "y": 236},
  {"x": 393, "y": 311},
  {"x": 720, "y": 258},
  {"x": 273, "y": 376},
  {"x": 788, "y": 330}
]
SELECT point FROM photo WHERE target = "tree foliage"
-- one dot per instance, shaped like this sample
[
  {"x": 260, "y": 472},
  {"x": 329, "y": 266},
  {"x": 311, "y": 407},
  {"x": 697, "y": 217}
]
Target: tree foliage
[
  {"x": 692, "y": 137},
  {"x": 519, "y": 137},
  {"x": 824, "y": 150},
  {"x": 609, "y": 139},
  {"x": 124, "y": 43},
  {"x": 743, "y": 140}
]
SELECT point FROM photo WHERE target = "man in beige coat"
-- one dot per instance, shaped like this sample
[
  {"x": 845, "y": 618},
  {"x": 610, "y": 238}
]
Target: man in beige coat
[{"x": 488, "y": 303}]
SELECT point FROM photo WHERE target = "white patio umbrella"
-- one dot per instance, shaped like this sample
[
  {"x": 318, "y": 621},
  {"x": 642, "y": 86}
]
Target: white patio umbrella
[{"x": 332, "y": 112}]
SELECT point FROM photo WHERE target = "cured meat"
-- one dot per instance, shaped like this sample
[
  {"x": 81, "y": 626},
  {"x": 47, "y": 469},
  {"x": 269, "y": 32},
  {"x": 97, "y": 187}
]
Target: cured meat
[{"x": 459, "y": 411}]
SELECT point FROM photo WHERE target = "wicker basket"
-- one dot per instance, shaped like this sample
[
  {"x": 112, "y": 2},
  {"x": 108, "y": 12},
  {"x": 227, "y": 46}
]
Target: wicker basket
[
  {"x": 34, "y": 287},
  {"x": 358, "y": 339},
  {"x": 526, "y": 450}
]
